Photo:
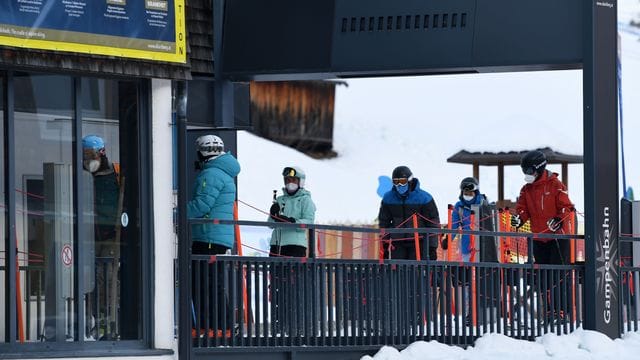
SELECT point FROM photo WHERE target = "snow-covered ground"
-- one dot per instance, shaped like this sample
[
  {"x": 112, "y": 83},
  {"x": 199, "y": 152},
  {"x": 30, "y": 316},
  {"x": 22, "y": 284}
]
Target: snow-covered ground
[
  {"x": 579, "y": 345},
  {"x": 420, "y": 122}
]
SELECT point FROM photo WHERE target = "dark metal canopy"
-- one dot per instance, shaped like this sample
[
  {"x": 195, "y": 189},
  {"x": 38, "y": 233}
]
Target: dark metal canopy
[
  {"x": 501, "y": 159},
  {"x": 510, "y": 158}
]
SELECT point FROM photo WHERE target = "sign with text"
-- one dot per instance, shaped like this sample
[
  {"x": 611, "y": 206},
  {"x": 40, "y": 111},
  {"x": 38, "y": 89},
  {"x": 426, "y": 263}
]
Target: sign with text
[{"x": 141, "y": 29}]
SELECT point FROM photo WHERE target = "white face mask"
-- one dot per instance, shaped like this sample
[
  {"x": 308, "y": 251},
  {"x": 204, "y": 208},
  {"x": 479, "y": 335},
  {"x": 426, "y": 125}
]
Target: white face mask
[
  {"x": 529, "y": 178},
  {"x": 291, "y": 187},
  {"x": 468, "y": 197},
  {"x": 91, "y": 165}
]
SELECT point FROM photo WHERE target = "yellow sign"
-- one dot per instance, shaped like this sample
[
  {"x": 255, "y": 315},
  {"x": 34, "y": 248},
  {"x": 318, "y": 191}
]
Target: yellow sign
[{"x": 150, "y": 29}]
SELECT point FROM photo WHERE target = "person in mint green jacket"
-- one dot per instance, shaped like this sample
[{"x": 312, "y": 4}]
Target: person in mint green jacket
[{"x": 293, "y": 206}]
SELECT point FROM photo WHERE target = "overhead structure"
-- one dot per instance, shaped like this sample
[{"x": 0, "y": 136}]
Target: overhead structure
[
  {"x": 323, "y": 39},
  {"x": 512, "y": 158}
]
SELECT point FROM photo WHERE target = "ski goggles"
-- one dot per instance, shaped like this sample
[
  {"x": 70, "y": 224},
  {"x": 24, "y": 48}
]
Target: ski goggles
[
  {"x": 469, "y": 187},
  {"x": 400, "y": 181},
  {"x": 289, "y": 172}
]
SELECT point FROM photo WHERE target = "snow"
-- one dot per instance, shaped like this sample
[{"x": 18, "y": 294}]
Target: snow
[
  {"x": 420, "y": 122},
  {"x": 579, "y": 345}
]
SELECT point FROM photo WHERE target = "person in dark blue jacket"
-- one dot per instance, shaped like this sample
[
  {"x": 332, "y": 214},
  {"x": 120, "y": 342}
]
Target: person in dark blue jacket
[
  {"x": 398, "y": 205},
  {"x": 461, "y": 216}
]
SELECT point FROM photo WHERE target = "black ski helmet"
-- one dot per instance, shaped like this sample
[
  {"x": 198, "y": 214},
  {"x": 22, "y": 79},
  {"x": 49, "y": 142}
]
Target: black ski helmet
[
  {"x": 401, "y": 172},
  {"x": 469, "y": 184},
  {"x": 533, "y": 162}
]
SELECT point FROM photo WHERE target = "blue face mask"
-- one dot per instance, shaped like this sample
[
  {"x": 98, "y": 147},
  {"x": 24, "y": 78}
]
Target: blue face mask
[{"x": 402, "y": 188}]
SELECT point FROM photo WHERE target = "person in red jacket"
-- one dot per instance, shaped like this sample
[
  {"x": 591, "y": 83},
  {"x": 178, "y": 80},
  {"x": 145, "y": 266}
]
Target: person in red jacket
[{"x": 545, "y": 202}]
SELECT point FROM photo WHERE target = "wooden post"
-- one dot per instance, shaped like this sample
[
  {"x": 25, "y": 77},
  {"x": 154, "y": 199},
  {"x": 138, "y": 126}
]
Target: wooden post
[{"x": 500, "y": 182}]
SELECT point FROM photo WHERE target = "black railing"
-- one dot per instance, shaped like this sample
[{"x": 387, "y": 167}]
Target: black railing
[
  {"x": 629, "y": 297},
  {"x": 259, "y": 302},
  {"x": 98, "y": 302},
  {"x": 317, "y": 302}
]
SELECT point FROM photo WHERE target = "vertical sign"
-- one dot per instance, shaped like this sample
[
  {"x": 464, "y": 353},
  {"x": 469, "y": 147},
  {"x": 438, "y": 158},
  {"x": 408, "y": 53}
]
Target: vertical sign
[{"x": 601, "y": 167}]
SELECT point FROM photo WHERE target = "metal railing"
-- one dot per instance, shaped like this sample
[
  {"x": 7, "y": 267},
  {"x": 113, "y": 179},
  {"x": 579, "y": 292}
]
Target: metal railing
[
  {"x": 629, "y": 295},
  {"x": 253, "y": 302}
]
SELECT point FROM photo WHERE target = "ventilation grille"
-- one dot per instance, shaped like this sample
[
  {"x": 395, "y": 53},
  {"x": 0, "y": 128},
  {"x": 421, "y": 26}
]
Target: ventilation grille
[{"x": 404, "y": 22}]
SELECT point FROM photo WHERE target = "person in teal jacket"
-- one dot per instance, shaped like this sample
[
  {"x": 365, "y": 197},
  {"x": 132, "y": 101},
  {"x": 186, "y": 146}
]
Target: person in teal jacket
[
  {"x": 214, "y": 193},
  {"x": 293, "y": 206}
]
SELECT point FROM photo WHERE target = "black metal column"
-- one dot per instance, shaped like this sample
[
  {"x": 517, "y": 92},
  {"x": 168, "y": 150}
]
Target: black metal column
[
  {"x": 601, "y": 167},
  {"x": 79, "y": 291},
  {"x": 222, "y": 89},
  {"x": 10, "y": 203},
  {"x": 184, "y": 245}
]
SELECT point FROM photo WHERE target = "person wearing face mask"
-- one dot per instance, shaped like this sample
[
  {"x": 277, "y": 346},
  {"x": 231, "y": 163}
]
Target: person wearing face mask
[
  {"x": 107, "y": 200},
  {"x": 293, "y": 206},
  {"x": 214, "y": 194},
  {"x": 403, "y": 200},
  {"x": 544, "y": 201},
  {"x": 470, "y": 198}
]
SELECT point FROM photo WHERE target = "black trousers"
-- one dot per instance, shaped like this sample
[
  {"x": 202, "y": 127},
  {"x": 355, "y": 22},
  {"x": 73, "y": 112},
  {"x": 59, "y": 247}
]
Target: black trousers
[
  {"x": 282, "y": 289},
  {"x": 406, "y": 250},
  {"x": 551, "y": 252},
  {"x": 555, "y": 252},
  {"x": 207, "y": 289}
]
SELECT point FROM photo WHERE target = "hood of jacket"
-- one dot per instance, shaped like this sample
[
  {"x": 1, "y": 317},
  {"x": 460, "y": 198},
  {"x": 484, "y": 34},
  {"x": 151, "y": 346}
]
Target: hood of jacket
[{"x": 225, "y": 162}]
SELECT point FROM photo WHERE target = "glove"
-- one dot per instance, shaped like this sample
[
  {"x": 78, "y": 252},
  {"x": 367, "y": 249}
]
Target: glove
[
  {"x": 275, "y": 209},
  {"x": 516, "y": 222},
  {"x": 444, "y": 242},
  {"x": 554, "y": 224},
  {"x": 282, "y": 218}
]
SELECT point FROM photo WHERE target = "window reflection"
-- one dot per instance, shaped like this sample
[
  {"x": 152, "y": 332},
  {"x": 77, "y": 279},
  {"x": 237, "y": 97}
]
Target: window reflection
[
  {"x": 3, "y": 216},
  {"x": 107, "y": 217},
  {"x": 44, "y": 204},
  {"x": 110, "y": 208}
]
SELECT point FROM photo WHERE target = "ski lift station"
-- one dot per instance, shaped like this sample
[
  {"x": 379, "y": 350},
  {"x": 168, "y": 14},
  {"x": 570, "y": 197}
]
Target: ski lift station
[{"x": 136, "y": 82}]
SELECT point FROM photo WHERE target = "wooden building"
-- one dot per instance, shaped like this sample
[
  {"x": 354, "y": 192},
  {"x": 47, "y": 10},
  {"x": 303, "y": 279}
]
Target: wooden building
[{"x": 298, "y": 114}]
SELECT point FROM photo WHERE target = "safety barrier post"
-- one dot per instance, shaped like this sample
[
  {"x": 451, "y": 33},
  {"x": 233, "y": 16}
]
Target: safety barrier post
[
  {"x": 416, "y": 236},
  {"x": 472, "y": 245},
  {"x": 450, "y": 235}
]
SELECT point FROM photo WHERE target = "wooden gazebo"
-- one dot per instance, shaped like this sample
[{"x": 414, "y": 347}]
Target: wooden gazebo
[{"x": 502, "y": 159}]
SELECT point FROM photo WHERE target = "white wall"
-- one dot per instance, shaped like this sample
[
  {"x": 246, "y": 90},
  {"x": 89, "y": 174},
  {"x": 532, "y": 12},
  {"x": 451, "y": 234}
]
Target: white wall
[{"x": 163, "y": 203}]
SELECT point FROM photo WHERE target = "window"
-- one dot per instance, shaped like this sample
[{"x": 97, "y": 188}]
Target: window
[
  {"x": 3, "y": 218},
  {"x": 77, "y": 217}
]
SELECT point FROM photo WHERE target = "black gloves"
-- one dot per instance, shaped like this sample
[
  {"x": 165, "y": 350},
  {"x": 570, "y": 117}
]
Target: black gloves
[
  {"x": 516, "y": 222},
  {"x": 554, "y": 224},
  {"x": 444, "y": 242},
  {"x": 275, "y": 209},
  {"x": 282, "y": 218}
]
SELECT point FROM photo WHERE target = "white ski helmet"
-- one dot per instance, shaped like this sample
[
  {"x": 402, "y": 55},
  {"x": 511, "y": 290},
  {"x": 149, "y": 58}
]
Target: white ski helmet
[
  {"x": 209, "y": 145},
  {"x": 294, "y": 171}
]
